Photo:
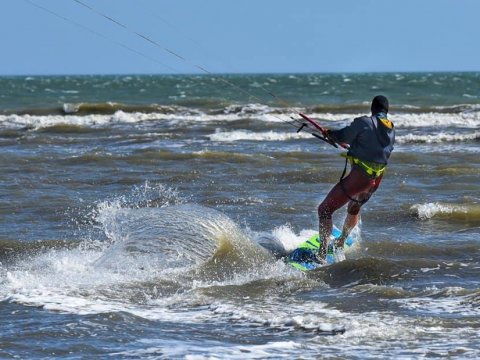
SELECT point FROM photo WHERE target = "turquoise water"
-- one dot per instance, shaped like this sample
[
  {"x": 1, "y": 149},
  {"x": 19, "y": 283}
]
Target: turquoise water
[
  {"x": 135, "y": 211},
  {"x": 339, "y": 92}
]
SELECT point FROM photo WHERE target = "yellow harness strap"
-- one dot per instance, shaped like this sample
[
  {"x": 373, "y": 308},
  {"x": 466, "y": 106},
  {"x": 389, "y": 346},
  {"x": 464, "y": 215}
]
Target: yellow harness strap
[{"x": 371, "y": 168}]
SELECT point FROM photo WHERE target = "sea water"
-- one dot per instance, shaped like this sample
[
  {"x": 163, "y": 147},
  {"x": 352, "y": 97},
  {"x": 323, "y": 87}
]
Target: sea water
[{"x": 133, "y": 209}]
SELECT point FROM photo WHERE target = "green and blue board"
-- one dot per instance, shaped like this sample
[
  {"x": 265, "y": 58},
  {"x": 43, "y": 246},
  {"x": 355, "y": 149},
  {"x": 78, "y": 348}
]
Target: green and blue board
[{"x": 304, "y": 257}]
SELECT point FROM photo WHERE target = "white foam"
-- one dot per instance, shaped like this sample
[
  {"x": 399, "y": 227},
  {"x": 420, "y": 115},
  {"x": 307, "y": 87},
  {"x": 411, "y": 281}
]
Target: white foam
[
  {"x": 429, "y": 210},
  {"x": 38, "y": 122},
  {"x": 208, "y": 350},
  {"x": 287, "y": 237},
  {"x": 437, "y": 138},
  {"x": 230, "y": 136},
  {"x": 469, "y": 120},
  {"x": 290, "y": 241},
  {"x": 262, "y": 113},
  {"x": 70, "y": 108},
  {"x": 309, "y": 316},
  {"x": 320, "y": 317},
  {"x": 249, "y": 109},
  {"x": 452, "y": 300},
  {"x": 67, "y": 281}
]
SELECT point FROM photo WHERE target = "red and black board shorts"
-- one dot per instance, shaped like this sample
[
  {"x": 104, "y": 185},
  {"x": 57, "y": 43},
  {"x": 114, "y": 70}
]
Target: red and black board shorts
[{"x": 355, "y": 189}]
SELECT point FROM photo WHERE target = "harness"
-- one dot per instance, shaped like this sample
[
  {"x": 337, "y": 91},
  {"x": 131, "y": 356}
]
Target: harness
[{"x": 373, "y": 170}]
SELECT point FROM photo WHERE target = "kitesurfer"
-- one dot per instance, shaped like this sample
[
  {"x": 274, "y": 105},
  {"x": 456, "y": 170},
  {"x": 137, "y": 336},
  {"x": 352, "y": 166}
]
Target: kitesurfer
[{"x": 370, "y": 140}]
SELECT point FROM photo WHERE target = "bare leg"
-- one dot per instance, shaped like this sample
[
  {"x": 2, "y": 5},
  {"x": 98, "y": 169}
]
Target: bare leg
[
  {"x": 325, "y": 229},
  {"x": 335, "y": 199},
  {"x": 350, "y": 222},
  {"x": 353, "y": 216},
  {"x": 355, "y": 183}
]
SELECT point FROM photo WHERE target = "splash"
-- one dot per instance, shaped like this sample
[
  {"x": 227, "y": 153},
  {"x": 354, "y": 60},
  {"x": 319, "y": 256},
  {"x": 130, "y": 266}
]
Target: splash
[
  {"x": 283, "y": 239},
  {"x": 153, "y": 224},
  {"x": 168, "y": 237},
  {"x": 157, "y": 256}
]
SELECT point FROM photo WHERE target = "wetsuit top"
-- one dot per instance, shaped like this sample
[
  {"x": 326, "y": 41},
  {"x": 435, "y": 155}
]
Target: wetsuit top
[{"x": 371, "y": 138}]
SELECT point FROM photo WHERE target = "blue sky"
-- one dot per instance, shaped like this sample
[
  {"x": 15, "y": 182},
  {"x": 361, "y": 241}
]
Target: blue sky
[{"x": 245, "y": 36}]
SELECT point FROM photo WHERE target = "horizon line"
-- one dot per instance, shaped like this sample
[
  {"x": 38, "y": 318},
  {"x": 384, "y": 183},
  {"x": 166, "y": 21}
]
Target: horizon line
[{"x": 244, "y": 73}]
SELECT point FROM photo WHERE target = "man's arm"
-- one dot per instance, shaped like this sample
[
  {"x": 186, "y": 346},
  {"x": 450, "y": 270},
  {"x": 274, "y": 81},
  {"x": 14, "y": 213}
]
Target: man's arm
[{"x": 346, "y": 134}]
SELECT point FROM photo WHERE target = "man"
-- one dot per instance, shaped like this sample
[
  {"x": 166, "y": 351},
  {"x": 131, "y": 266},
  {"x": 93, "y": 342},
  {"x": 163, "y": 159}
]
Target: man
[{"x": 370, "y": 140}]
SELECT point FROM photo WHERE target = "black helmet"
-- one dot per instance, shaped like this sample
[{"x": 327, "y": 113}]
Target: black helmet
[{"x": 379, "y": 104}]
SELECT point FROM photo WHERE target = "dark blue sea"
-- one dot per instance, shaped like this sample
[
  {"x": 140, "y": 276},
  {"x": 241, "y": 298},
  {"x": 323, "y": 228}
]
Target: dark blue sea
[{"x": 136, "y": 213}]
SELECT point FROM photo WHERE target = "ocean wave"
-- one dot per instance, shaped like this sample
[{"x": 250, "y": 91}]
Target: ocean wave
[
  {"x": 437, "y": 138},
  {"x": 415, "y": 255},
  {"x": 361, "y": 271},
  {"x": 399, "y": 109},
  {"x": 470, "y": 120},
  {"x": 36, "y": 122},
  {"x": 230, "y": 136},
  {"x": 94, "y": 115},
  {"x": 459, "y": 212},
  {"x": 111, "y": 108},
  {"x": 450, "y": 300},
  {"x": 218, "y": 156},
  {"x": 220, "y": 105}
]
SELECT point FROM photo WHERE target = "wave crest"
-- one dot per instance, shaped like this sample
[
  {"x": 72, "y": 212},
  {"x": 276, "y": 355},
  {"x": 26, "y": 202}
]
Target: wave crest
[{"x": 467, "y": 212}]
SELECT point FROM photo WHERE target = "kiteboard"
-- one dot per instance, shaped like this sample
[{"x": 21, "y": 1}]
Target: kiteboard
[{"x": 304, "y": 257}]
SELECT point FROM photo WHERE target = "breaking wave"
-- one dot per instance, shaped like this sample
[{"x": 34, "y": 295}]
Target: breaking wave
[{"x": 460, "y": 212}]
